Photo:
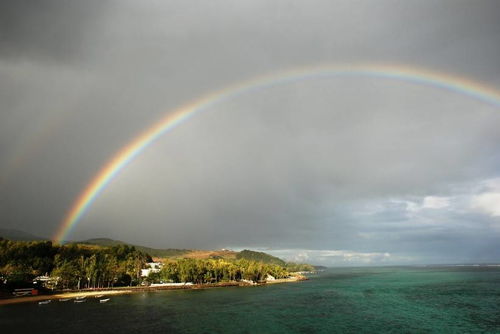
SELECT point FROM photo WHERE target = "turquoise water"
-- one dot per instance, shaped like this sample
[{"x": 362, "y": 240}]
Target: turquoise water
[{"x": 340, "y": 300}]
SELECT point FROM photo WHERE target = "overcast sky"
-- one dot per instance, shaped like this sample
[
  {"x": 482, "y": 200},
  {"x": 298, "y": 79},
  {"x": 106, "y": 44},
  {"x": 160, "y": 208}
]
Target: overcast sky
[{"x": 336, "y": 171}]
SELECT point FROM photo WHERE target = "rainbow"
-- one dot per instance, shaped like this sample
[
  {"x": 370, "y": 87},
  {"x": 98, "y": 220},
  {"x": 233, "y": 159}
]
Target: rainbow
[{"x": 178, "y": 116}]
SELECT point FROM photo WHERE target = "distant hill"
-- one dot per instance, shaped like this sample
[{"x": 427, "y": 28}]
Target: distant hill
[
  {"x": 17, "y": 235},
  {"x": 211, "y": 254},
  {"x": 191, "y": 253},
  {"x": 105, "y": 242},
  {"x": 320, "y": 268},
  {"x": 154, "y": 252},
  {"x": 260, "y": 257}
]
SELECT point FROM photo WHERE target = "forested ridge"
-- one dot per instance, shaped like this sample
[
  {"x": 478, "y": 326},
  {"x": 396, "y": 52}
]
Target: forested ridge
[
  {"x": 78, "y": 266},
  {"x": 75, "y": 266},
  {"x": 155, "y": 252}
]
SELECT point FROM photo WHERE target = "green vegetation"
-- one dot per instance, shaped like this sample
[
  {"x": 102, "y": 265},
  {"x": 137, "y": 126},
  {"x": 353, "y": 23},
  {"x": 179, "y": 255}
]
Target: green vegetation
[
  {"x": 269, "y": 259},
  {"x": 154, "y": 252},
  {"x": 75, "y": 266},
  {"x": 260, "y": 257},
  {"x": 296, "y": 267},
  {"x": 202, "y": 271}
]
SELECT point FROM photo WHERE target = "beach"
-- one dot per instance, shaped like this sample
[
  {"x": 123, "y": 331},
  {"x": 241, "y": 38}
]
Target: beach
[
  {"x": 135, "y": 289},
  {"x": 64, "y": 295}
]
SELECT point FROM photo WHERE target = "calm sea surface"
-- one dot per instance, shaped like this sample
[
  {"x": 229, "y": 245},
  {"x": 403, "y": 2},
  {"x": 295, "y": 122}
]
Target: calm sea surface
[{"x": 341, "y": 300}]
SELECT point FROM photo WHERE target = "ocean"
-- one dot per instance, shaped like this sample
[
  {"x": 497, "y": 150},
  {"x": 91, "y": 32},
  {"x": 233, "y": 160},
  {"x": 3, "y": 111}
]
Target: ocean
[{"x": 338, "y": 300}]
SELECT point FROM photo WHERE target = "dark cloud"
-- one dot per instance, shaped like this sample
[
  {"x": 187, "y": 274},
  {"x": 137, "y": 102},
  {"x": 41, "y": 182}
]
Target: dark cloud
[
  {"x": 265, "y": 171},
  {"x": 295, "y": 166},
  {"x": 48, "y": 30}
]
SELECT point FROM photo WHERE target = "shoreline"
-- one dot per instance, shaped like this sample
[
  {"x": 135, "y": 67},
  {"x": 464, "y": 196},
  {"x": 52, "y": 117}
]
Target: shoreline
[
  {"x": 63, "y": 295},
  {"x": 136, "y": 289}
]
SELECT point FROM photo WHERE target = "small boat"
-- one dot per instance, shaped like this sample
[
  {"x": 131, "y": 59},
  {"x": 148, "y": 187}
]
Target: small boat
[
  {"x": 21, "y": 293},
  {"x": 64, "y": 299},
  {"x": 43, "y": 302},
  {"x": 80, "y": 297},
  {"x": 80, "y": 301},
  {"x": 99, "y": 296},
  {"x": 104, "y": 300}
]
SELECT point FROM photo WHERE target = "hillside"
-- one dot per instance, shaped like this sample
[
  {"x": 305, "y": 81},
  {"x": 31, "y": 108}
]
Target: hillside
[
  {"x": 192, "y": 253},
  {"x": 260, "y": 257},
  {"x": 211, "y": 254},
  {"x": 17, "y": 235},
  {"x": 154, "y": 252}
]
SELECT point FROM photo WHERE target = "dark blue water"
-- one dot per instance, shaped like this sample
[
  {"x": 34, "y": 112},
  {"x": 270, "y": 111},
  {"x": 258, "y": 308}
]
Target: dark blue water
[{"x": 342, "y": 300}]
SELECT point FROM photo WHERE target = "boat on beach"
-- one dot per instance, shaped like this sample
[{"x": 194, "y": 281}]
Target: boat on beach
[
  {"x": 64, "y": 299},
  {"x": 44, "y": 302},
  {"x": 99, "y": 296},
  {"x": 104, "y": 300},
  {"x": 80, "y": 297},
  {"x": 80, "y": 300}
]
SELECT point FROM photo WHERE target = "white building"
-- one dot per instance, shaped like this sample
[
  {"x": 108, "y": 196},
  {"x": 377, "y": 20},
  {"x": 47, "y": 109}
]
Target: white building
[{"x": 153, "y": 267}]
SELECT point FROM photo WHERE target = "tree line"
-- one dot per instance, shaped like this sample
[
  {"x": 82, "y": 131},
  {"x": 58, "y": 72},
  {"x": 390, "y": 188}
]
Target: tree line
[
  {"x": 78, "y": 266},
  {"x": 203, "y": 271},
  {"x": 75, "y": 266}
]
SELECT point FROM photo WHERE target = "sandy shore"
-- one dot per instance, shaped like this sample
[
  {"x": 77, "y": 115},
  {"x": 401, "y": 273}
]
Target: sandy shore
[
  {"x": 296, "y": 278},
  {"x": 70, "y": 295},
  {"x": 119, "y": 291}
]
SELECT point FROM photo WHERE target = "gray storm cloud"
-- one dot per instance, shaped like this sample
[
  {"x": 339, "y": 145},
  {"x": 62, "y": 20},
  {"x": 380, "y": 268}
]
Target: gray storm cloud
[{"x": 332, "y": 167}]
